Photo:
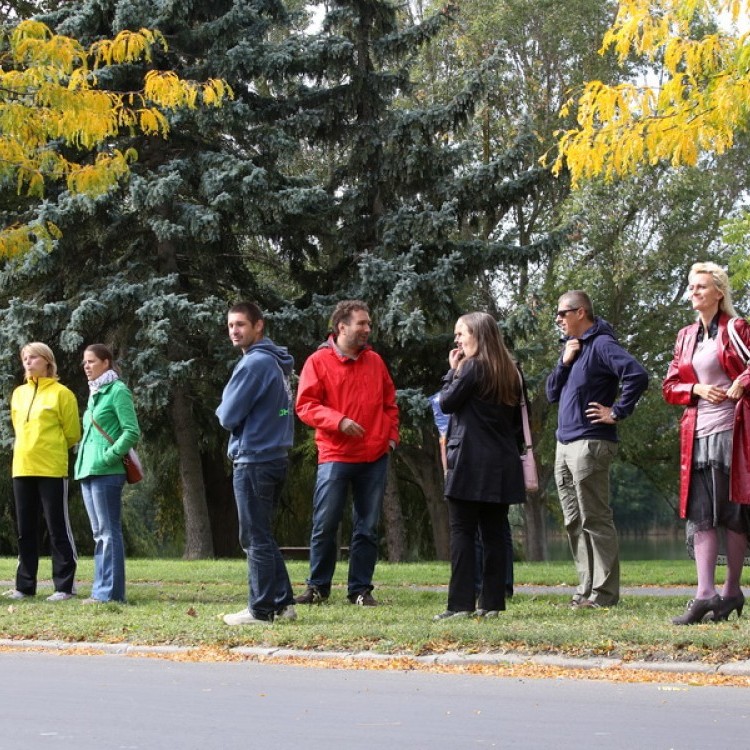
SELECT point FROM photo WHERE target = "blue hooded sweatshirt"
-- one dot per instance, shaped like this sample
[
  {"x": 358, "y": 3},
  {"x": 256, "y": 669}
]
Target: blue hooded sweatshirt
[
  {"x": 256, "y": 406},
  {"x": 601, "y": 368}
]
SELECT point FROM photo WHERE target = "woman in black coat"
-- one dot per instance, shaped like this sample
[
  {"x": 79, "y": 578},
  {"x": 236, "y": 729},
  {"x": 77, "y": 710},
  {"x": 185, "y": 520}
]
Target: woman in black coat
[{"x": 481, "y": 392}]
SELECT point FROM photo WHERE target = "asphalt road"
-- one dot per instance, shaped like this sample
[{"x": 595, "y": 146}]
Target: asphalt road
[{"x": 112, "y": 702}]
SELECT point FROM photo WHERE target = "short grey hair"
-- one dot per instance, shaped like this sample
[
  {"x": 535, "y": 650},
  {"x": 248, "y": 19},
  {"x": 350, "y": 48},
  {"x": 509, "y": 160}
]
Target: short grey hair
[{"x": 578, "y": 298}]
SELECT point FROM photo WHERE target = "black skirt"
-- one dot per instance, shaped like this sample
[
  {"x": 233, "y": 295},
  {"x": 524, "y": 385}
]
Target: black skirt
[{"x": 708, "y": 504}]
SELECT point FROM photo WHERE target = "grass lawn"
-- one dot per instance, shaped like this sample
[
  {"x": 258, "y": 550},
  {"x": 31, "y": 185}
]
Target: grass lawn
[{"x": 181, "y": 603}]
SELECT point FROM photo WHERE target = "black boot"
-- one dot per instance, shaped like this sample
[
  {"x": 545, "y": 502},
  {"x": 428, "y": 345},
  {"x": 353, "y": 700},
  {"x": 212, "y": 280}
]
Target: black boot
[
  {"x": 728, "y": 605},
  {"x": 697, "y": 609}
]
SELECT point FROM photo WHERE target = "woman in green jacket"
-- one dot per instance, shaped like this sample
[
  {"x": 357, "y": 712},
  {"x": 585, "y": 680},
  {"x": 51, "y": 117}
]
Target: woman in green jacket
[
  {"x": 46, "y": 427},
  {"x": 110, "y": 430}
]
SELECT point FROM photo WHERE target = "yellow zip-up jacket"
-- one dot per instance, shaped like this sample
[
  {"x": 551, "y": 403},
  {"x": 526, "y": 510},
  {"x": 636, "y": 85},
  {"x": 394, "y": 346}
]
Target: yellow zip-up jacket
[{"x": 46, "y": 423}]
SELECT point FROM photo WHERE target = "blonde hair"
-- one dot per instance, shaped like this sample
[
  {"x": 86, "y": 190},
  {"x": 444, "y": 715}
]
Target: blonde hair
[
  {"x": 721, "y": 282},
  {"x": 43, "y": 351}
]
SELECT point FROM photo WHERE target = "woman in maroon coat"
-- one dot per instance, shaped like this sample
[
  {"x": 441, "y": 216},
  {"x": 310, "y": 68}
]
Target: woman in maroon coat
[{"x": 712, "y": 381}]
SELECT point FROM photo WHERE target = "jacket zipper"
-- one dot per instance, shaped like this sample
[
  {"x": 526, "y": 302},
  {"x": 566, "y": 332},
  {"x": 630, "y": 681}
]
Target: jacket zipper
[{"x": 36, "y": 388}]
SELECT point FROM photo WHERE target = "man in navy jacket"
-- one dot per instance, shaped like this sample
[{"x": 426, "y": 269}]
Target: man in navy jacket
[
  {"x": 592, "y": 370},
  {"x": 256, "y": 407}
]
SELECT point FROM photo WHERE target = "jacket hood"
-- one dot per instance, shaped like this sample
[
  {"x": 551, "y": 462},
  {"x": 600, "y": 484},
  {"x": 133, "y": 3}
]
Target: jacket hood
[
  {"x": 330, "y": 343},
  {"x": 279, "y": 353},
  {"x": 600, "y": 327}
]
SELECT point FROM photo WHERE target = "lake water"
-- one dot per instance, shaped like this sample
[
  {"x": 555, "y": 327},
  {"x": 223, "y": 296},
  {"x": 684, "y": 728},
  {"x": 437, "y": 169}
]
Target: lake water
[{"x": 653, "y": 547}]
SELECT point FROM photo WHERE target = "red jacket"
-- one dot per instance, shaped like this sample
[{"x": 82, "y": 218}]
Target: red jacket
[
  {"x": 677, "y": 389},
  {"x": 333, "y": 386}
]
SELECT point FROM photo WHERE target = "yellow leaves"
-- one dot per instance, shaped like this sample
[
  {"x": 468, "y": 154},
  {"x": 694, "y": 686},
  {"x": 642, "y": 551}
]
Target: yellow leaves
[
  {"x": 215, "y": 92},
  {"x": 31, "y": 42},
  {"x": 171, "y": 92},
  {"x": 152, "y": 122},
  {"x": 167, "y": 89},
  {"x": 102, "y": 175},
  {"x": 49, "y": 96},
  {"x": 692, "y": 101},
  {"x": 127, "y": 46},
  {"x": 18, "y": 238}
]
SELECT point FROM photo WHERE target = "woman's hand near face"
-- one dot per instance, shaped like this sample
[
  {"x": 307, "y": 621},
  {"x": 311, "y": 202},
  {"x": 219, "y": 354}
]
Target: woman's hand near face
[{"x": 454, "y": 357}]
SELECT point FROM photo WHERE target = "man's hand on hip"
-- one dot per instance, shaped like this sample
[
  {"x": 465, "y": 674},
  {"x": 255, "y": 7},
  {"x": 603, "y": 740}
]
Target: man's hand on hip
[{"x": 599, "y": 414}]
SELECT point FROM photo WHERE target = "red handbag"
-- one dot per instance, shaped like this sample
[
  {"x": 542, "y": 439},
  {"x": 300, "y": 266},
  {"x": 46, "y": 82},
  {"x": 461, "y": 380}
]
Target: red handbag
[{"x": 133, "y": 467}]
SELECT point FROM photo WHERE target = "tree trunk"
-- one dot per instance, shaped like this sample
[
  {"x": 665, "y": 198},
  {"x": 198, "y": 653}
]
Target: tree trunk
[
  {"x": 395, "y": 534},
  {"x": 198, "y": 541},
  {"x": 222, "y": 509},
  {"x": 426, "y": 471},
  {"x": 535, "y": 526},
  {"x": 535, "y": 509}
]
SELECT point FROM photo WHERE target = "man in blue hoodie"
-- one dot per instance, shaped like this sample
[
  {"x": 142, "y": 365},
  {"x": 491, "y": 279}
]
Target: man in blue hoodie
[
  {"x": 256, "y": 408},
  {"x": 592, "y": 370}
]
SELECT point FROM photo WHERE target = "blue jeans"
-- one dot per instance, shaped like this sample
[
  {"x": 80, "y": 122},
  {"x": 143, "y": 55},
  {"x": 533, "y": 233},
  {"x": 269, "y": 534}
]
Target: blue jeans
[
  {"x": 103, "y": 499},
  {"x": 367, "y": 481},
  {"x": 257, "y": 490}
]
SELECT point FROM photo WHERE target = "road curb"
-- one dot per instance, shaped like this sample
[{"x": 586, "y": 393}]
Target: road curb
[{"x": 453, "y": 658}]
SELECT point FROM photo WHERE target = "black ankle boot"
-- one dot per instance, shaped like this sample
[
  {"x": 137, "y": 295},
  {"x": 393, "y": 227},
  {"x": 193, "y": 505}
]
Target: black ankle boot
[
  {"x": 727, "y": 605},
  {"x": 697, "y": 609}
]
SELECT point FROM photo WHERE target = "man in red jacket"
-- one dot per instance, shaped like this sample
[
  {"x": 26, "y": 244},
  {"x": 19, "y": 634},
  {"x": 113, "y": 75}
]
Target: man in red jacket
[{"x": 346, "y": 393}]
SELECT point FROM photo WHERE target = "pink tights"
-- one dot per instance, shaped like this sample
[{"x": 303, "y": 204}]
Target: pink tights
[{"x": 706, "y": 550}]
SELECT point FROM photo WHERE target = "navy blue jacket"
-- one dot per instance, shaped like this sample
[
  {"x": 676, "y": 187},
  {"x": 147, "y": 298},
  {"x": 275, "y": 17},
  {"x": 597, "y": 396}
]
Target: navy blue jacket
[
  {"x": 601, "y": 369},
  {"x": 256, "y": 406}
]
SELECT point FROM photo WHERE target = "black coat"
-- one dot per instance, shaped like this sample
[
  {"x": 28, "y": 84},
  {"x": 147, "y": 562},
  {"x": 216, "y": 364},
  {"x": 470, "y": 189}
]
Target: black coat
[{"x": 484, "y": 442}]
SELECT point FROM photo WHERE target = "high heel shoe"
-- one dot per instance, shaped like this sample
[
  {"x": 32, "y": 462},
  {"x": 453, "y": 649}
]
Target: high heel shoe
[
  {"x": 727, "y": 605},
  {"x": 697, "y": 609}
]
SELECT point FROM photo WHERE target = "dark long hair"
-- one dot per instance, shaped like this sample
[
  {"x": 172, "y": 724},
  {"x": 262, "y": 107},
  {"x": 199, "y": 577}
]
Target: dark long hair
[
  {"x": 102, "y": 352},
  {"x": 500, "y": 382}
]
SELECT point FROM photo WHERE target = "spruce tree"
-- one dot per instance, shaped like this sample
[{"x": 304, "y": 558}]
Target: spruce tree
[{"x": 325, "y": 178}]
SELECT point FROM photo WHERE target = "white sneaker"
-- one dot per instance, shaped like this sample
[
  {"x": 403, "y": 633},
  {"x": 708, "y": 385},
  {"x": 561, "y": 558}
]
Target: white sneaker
[
  {"x": 488, "y": 613},
  {"x": 15, "y": 594},
  {"x": 287, "y": 613},
  {"x": 60, "y": 596},
  {"x": 246, "y": 617},
  {"x": 450, "y": 615}
]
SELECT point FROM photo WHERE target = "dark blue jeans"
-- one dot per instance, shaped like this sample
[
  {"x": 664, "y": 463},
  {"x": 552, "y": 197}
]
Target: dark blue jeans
[
  {"x": 367, "y": 481},
  {"x": 257, "y": 490}
]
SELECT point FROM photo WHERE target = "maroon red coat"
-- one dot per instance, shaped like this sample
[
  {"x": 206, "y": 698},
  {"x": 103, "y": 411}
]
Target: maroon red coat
[{"x": 677, "y": 388}]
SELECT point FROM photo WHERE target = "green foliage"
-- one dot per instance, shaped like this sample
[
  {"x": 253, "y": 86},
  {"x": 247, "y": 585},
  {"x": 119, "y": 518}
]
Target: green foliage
[{"x": 376, "y": 157}]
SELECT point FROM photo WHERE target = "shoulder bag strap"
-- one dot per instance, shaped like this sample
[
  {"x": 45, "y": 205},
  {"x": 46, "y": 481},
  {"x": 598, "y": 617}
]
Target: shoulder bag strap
[
  {"x": 524, "y": 415},
  {"x": 737, "y": 342},
  {"x": 96, "y": 424}
]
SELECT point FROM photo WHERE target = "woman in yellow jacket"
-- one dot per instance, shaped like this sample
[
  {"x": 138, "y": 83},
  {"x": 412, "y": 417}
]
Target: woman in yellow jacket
[{"x": 46, "y": 426}]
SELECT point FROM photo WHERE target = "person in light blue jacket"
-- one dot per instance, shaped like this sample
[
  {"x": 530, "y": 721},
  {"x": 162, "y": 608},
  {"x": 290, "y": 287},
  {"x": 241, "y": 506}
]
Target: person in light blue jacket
[{"x": 256, "y": 408}]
